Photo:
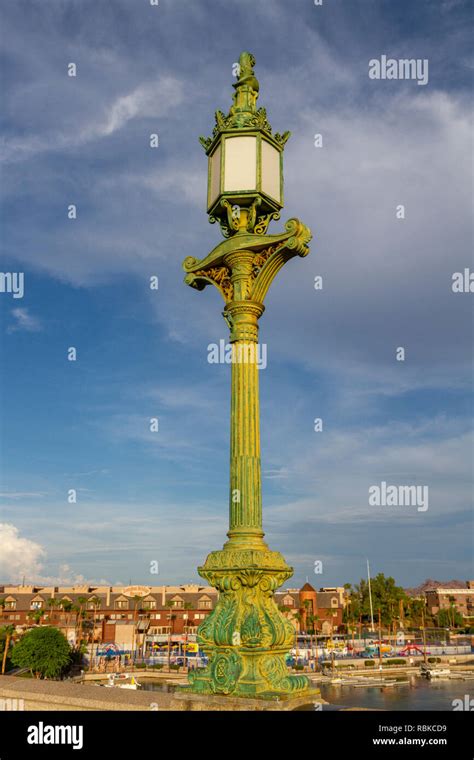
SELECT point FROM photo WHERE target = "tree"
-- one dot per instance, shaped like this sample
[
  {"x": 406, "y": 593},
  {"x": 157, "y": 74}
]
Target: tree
[
  {"x": 415, "y": 611},
  {"x": 187, "y": 606},
  {"x": 44, "y": 651},
  {"x": 36, "y": 616},
  {"x": 386, "y": 596},
  {"x": 96, "y": 602},
  {"x": 8, "y": 632},
  {"x": 80, "y": 619},
  {"x": 449, "y": 618},
  {"x": 137, "y": 600},
  {"x": 66, "y": 606}
]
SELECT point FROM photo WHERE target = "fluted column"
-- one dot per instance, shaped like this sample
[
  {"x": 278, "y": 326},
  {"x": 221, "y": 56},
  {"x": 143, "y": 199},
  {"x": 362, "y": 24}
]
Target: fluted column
[{"x": 245, "y": 495}]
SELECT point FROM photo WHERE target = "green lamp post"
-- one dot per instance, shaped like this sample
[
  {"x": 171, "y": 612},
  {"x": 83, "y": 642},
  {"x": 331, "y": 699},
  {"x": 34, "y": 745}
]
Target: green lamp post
[{"x": 246, "y": 637}]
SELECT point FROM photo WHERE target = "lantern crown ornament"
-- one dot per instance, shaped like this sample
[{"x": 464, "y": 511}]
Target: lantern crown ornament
[{"x": 245, "y": 170}]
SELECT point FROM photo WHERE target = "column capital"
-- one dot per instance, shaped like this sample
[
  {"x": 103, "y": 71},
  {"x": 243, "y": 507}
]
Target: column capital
[{"x": 244, "y": 266}]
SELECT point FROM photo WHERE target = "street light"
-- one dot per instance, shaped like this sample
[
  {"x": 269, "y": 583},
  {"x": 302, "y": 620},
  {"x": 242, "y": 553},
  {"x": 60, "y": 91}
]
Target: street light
[
  {"x": 246, "y": 639},
  {"x": 245, "y": 161}
]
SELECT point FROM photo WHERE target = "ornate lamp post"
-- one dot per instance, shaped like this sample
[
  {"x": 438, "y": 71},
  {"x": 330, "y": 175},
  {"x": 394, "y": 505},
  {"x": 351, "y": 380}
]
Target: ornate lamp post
[{"x": 246, "y": 638}]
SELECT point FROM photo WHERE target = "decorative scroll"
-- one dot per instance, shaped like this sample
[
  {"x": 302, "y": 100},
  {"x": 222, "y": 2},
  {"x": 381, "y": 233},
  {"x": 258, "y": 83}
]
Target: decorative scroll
[{"x": 270, "y": 254}]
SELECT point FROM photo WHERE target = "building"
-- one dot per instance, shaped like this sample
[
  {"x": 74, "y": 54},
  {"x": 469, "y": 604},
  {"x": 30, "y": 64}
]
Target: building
[
  {"x": 309, "y": 609},
  {"x": 126, "y": 616},
  {"x": 444, "y": 598},
  {"x": 115, "y": 613}
]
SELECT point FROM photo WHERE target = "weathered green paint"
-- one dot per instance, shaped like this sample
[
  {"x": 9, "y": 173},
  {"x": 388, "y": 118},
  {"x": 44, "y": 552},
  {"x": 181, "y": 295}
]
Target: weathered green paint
[{"x": 246, "y": 637}]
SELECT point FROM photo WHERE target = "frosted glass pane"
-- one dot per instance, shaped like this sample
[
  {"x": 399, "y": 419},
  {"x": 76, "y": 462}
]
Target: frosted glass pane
[
  {"x": 240, "y": 171},
  {"x": 215, "y": 163},
  {"x": 270, "y": 171}
]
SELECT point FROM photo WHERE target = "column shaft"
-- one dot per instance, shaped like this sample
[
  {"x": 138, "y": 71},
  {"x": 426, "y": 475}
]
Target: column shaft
[
  {"x": 245, "y": 497},
  {"x": 245, "y": 472}
]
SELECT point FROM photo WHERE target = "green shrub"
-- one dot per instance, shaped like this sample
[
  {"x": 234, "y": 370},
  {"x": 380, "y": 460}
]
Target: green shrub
[
  {"x": 396, "y": 661},
  {"x": 434, "y": 659},
  {"x": 45, "y": 651},
  {"x": 299, "y": 667},
  {"x": 157, "y": 666},
  {"x": 369, "y": 663}
]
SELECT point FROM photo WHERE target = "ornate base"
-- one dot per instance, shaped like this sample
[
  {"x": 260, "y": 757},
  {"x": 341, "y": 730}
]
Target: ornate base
[
  {"x": 246, "y": 637},
  {"x": 244, "y": 673}
]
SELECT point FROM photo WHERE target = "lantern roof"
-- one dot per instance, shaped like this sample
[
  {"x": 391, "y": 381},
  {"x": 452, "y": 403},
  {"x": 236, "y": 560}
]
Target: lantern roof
[{"x": 244, "y": 114}]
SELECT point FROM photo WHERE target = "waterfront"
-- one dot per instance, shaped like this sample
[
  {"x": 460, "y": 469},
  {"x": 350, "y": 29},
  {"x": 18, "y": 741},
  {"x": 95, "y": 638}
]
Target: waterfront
[{"x": 417, "y": 694}]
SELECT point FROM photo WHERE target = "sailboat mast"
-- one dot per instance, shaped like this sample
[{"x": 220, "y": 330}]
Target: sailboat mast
[{"x": 370, "y": 600}]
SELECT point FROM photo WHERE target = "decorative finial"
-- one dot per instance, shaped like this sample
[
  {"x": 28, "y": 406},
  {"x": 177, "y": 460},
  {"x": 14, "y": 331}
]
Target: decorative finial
[{"x": 244, "y": 113}]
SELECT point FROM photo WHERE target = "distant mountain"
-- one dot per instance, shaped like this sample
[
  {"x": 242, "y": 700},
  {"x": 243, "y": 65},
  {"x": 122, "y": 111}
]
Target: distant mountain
[{"x": 429, "y": 583}]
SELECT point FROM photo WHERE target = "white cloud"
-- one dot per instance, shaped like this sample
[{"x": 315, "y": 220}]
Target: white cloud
[
  {"x": 24, "y": 321},
  {"x": 152, "y": 99},
  {"x": 148, "y": 100},
  {"x": 18, "y": 556},
  {"x": 23, "y": 559}
]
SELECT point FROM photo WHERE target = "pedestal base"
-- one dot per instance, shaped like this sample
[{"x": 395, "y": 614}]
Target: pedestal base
[
  {"x": 246, "y": 638},
  {"x": 246, "y": 673},
  {"x": 185, "y": 699}
]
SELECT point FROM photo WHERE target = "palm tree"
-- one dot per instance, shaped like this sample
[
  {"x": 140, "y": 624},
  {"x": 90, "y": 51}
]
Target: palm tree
[
  {"x": 96, "y": 602},
  {"x": 187, "y": 606},
  {"x": 9, "y": 631},
  {"x": 80, "y": 619},
  {"x": 312, "y": 632},
  {"x": 170, "y": 604},
  {"x": 452, "y": 611},
  {"x": 137, "y": 599},
  {"x": 66, "y": 606},
  {"x": 52, "y": 604},
  {"x": 36, "y": 616},
  {"x": 307, "y": 610}
]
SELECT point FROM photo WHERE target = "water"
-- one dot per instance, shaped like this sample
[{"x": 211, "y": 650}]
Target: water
[
  {"x": 417, "y": 694},
  {"x": 148, "y": 685}
]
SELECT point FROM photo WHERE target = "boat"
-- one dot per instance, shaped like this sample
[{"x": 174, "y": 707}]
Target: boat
[
  {"x": 429, "y": 672},
  {"x": 122, "y": 681}
]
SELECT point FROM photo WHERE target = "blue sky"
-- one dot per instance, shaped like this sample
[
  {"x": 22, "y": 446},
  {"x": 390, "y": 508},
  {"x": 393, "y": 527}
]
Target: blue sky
[{"x": 84, "y": 425}]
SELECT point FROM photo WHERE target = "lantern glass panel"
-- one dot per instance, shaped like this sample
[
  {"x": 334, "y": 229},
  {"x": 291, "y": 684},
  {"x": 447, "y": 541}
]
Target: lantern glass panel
[
  {"x": 215, "y": 175},
  {"x": 270, "y": 171},
  {"x": 240, "y": 163}
]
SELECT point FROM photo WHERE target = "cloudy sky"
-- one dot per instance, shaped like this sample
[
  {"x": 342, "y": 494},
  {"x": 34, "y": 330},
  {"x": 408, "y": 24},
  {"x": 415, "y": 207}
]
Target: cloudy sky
[{"x": 387, "y": 283}]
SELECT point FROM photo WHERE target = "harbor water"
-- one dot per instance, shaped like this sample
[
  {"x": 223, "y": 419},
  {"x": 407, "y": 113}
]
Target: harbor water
[{"x": 417, "y": 694}]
